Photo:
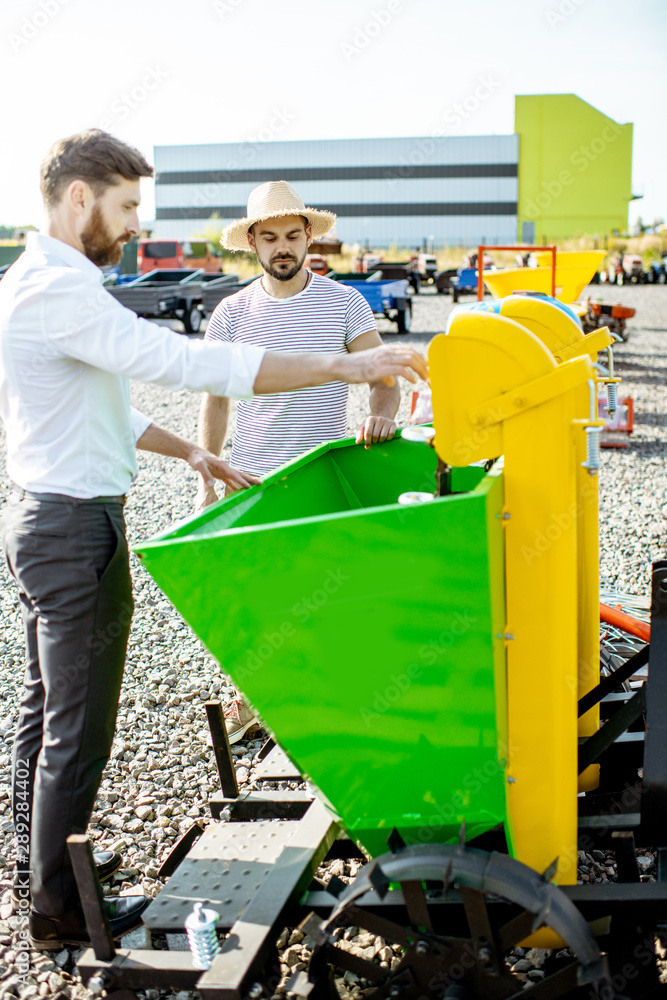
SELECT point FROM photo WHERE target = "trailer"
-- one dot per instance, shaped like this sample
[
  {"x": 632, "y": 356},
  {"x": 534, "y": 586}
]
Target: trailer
[
  {"x": 217, "y": 288},
  {"x": 388, "y": 298},
  {"x": 165, "y": 294},
  {"x": 393, "y": 270}
]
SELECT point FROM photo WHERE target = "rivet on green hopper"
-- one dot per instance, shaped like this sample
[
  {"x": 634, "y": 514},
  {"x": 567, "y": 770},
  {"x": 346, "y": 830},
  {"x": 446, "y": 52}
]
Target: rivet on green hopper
[{"x": 368, "y": 635}]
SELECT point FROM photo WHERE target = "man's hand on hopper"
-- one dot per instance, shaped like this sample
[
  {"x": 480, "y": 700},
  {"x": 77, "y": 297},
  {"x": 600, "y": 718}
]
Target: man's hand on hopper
[
  {"x": 376, "y": 429},
  {"x": 210, "y": 468},
  {"x": 384, "y": 364}
]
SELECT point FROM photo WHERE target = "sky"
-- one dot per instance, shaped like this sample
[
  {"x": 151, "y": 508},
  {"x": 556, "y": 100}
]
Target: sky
[{"x": 163, "y": 72}]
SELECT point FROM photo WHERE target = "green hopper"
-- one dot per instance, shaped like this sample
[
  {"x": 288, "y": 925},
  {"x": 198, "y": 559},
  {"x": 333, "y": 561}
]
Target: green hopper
[{"x": 367, "y": 635}]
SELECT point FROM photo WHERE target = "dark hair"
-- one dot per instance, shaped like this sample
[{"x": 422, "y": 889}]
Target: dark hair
[
  {"x": 93, "y": 156},
  {"x": 306, "y": 223}
]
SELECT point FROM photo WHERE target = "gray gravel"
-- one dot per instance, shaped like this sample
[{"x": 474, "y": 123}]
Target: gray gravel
[{"x": 162, "y": 772}]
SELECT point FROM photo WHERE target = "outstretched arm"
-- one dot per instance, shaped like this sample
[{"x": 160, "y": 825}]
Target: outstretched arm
[
  {"x": 280, "y": 372},
  {"x": 208, "y": 465},
  {"x": 211, "y": 434}
]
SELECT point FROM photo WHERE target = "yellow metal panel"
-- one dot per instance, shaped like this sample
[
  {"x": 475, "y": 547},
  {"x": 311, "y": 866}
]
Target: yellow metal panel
[
  {"x": 547, "y": 321},
  {"x": 508, "y": 404},
  {"x": 483, "y": 357},
  {"x": 541, "y": 575},
  {"x": 566, "y": 341},
  {"x": 591, "y": 345}
]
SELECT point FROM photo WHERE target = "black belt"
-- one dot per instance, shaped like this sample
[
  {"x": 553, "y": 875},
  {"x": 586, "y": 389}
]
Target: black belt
[{"x": 63, "y": 498}]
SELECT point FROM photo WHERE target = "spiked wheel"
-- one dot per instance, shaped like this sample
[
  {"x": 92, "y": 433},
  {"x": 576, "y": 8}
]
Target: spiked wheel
[{"x": 450, "y": 951}]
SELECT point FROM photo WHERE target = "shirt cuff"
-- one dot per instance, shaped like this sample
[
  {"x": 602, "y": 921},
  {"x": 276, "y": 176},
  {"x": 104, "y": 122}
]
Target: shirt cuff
[
  {"x": 246, "y": 360},
  {"x": 139, "y": 422}
]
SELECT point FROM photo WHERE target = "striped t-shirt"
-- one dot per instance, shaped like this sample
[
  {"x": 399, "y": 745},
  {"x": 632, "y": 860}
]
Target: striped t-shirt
[{"x": 324, "y": 317}]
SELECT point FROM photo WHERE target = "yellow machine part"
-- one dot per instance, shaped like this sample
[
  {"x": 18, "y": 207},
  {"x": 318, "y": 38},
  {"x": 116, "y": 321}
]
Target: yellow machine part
[
  {"x": 566, "y": 340},
  {"x": 572, "y": 258},
  {"x": 510, "y": 397},
  {"x": 570, "y": 281}
]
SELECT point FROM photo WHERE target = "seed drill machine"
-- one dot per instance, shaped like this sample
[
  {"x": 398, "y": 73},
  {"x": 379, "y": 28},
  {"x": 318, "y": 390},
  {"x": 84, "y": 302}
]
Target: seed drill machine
[{"x": 431, "y": 671}]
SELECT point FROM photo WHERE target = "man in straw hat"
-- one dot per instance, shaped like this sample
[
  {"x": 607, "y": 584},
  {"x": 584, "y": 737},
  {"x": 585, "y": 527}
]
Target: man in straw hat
[
  {"x": 289, "y": 308},
  {"x": 67, "y": 352}
]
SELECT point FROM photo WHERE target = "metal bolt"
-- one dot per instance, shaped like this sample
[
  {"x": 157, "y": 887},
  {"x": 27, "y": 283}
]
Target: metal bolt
[
  {"x": 395, "y": 991},
  {"x": 99, "y": 982},
  {"x": 484, "y": 954},
  {"x": 255, "y": 991},
  {"x": 422, "y": 947}
]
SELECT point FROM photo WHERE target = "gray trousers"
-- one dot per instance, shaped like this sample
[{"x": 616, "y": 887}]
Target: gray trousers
[{"x": 71, "y": 564}]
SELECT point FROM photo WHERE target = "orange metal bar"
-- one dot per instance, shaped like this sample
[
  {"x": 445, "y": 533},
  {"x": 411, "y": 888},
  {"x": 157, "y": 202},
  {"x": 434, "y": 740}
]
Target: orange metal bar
[
  {"x": 480, "y": 268},
  {"x": 613, "y": 616}
]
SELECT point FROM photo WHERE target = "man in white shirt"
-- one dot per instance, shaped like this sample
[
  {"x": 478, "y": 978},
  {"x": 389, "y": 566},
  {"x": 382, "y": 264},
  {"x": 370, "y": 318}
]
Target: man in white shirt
[{"x": 67, "y": 352}]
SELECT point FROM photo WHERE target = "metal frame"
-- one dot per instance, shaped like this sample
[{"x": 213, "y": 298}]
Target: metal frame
[
  {"x": 480, "y": 270},
  {"x": 625, "y": 913}
]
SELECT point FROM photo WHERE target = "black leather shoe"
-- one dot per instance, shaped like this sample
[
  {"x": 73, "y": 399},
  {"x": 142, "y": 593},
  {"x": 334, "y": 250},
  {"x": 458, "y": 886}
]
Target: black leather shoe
[
  {"x": 51, "y": 933},
  {"x": 107, "y": 864}
]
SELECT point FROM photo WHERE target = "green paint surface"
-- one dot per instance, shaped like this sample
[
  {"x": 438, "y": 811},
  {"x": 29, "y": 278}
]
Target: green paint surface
[
  {"x": 575, "y": 167},
  {"x": 364, "y": 633}
]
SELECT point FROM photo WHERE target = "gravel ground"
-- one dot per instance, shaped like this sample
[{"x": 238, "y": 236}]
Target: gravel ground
[{"x": 162, "y": 772}]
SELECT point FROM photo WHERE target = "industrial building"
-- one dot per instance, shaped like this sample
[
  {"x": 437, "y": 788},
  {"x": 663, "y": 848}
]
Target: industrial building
[
  {"x": 442, "y": 190},
  {"x": 575, "y": 169}
]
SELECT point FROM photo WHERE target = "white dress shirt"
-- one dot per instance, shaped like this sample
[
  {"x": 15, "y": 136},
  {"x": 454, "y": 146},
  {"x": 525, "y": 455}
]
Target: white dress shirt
[{"x": 67, "y": 351}]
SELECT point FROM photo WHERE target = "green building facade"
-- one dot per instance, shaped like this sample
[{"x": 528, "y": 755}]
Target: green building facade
[{"x": 575, "y": 169}]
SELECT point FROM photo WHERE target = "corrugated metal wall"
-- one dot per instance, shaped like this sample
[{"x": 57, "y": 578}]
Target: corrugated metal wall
[{"x": 456, "y": 190}]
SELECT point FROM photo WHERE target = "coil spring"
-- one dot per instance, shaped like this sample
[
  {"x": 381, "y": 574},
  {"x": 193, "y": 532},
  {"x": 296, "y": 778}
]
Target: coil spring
[
  {"x": 612, "y": 398},
  {"x": 203, "y": 940},
  {"x": 593, "y": 454}
]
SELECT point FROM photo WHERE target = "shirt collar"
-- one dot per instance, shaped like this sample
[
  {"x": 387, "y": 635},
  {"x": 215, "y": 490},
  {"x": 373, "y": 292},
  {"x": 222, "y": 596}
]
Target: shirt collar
[{"x": 56, "y": 248}]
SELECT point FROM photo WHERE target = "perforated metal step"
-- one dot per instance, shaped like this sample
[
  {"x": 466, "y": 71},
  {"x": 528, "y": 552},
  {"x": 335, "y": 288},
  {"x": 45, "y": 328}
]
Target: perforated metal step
[
  {"x": 277, "y": 767},
  {"x": 224, "y": 870}
]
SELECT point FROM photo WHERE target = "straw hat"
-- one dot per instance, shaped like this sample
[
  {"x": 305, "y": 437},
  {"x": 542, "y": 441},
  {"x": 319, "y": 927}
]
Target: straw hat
[{"x": 272, "y": 201}]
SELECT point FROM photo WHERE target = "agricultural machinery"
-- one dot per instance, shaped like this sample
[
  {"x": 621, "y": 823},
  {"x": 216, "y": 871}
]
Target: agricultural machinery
[{"x": 418, "y": 627}]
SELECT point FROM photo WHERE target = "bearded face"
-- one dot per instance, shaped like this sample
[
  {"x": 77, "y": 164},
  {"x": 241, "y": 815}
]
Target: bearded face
[
  {"x": 281, "y": 245},
  {"x": 99, "y": 243},
  {"x": 284, "y": 265}
]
